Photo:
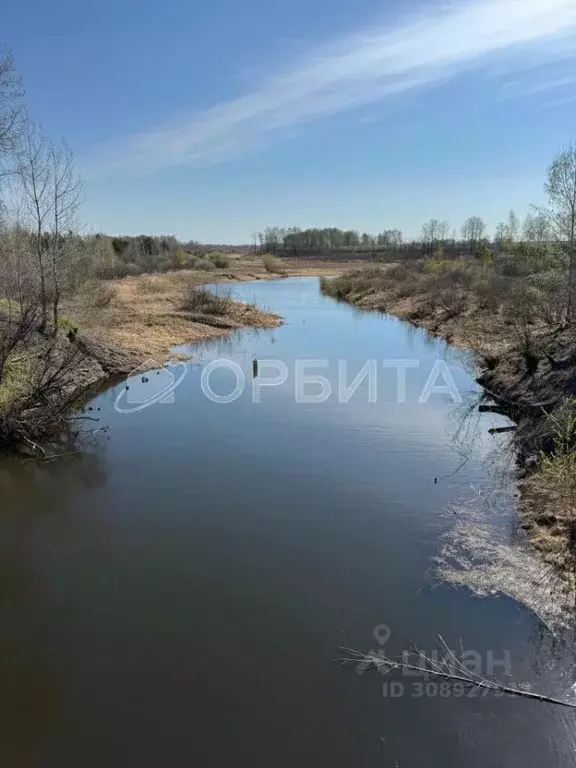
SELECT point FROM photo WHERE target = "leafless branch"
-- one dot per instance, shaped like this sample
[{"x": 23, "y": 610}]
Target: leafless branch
[{"x": 449, "y": 668}]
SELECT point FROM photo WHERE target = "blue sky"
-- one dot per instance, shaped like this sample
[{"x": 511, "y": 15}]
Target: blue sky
[{"x": 212, "y": 120}]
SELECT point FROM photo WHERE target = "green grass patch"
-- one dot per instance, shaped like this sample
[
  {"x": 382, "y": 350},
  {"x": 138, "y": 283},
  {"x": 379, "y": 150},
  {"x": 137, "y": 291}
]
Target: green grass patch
[
  {"x": 15, "y": 381},
  {"x": 66, "y": 324}
]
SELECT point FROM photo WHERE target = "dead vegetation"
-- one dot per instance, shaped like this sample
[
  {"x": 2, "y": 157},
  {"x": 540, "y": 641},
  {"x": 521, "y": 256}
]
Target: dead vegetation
[
  {"x": 151, "y": 314},
  {"x": 478, "y": 553},
  {"x": 445, "y": 665},
  {"x": 206, "y": 302},
  {"x": 147, "y": 315},
  {"x": 549, "y": 494},
  {"x": 273, "y": 264},
  {"x": 38, "y": 377}
]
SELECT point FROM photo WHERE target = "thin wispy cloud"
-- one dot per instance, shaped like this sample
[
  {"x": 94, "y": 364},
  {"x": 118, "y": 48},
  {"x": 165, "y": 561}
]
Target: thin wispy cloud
[
  {"x": 373, "y": 65},
  {"x": 561, "y": 102},
  {"x": 534, "y": 87}
]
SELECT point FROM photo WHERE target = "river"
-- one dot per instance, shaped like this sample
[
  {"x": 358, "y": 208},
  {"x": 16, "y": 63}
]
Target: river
[{"x": 178, "y": 593}]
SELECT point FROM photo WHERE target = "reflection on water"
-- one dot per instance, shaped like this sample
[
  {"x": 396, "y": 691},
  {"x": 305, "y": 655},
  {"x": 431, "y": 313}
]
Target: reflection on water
[{"x": 175, "y": 594}]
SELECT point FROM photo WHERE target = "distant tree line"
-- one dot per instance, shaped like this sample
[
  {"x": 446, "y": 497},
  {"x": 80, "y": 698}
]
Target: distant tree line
[
  {"x": 293, "y": 241},
  {"x": 436, "y": 239},
  {"x": 544, "y": 242},
  {"x": 119, "y": 256}
]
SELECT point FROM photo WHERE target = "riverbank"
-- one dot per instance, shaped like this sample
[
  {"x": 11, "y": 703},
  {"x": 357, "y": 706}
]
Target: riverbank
[
  {"x": 146, "y": 316},
  {"x": 109, "y": 328},
  {"x": 527, "y": 363}
]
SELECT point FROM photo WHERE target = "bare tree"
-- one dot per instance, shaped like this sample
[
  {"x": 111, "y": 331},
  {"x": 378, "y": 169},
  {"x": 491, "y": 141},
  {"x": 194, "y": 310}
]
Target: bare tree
[
  {"x": 434, "y": 232},
  {"x": 16, "y": 273},
  {"x": 561, "y": 189},
  {"x": 443, "y": 230},
  {"x": 500, "y": 232},
  {"x": 52, "y": 196},
  {"x": 36, "y": 176},
  {"x": 536, "y": 228},
  {"x": 428, "y": 231},
  {"x": 395, "y": 237},
  {"x": 12, "y": 114},
  {"x": 473, "y": 231},
  {"x": 512, "y": 227},
  {"x": 67, "y": 190}
]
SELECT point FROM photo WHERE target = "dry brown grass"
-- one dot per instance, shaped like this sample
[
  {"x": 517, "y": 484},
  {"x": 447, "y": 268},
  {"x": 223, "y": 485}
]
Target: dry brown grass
[
  {"x": 549, "y": 495},
  {"x": 145, "y": 315},
  {"x": 549, "y": 507},
  {"x": 252, "y": 267}
]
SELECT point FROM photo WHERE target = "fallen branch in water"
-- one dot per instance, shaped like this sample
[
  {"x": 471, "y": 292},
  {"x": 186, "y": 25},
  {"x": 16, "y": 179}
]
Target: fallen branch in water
[
  {"x": 449, "y": 668},
  {"x": 501, "y": 430},
  {"x": 36, "y": 447},
  {"x": 82, "y": 418},
  {"x": 53, "y": 456}
]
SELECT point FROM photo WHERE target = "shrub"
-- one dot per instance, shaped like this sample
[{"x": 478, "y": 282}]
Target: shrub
[
  {"x": 179, "y": 259},
  {"x": 563, "y": 425},
  {"x": 99, "y": 293},
  {"x": 518, "y": 305},
  {"x": 273, "y": 264},
  {"x": 528, "y": 345},
  {"x": 549, "y": 296},
  {"x": 205, "y": 302},
  {"x": 559, "y": 461},
  {"x": 201, "y": 264},
  {"x": 131, "y": 270},
  {"x": 513, "y": 266},
  {"x": 406, "y": 270},
  {"x": 491, "y": 289},
  {"x": 219, "y": 260}
]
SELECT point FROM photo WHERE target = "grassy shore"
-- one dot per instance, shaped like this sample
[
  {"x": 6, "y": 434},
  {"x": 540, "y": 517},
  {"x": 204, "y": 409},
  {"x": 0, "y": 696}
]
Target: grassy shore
[
  {"x": 148, "y": 315},
  {"x": 511, "y": 319},
  {"x": 108, "y": 328}
]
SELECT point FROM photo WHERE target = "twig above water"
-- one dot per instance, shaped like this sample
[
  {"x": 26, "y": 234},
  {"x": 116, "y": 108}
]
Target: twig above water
[{"x": 449, "y": 668}]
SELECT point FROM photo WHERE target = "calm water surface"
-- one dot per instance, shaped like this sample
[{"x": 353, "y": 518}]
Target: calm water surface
[{"x": 177, "y": 594}]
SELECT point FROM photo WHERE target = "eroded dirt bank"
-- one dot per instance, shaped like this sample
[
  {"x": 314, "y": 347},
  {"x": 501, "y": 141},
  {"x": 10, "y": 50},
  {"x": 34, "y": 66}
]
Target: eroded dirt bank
[{"x": 528, "y": 370}]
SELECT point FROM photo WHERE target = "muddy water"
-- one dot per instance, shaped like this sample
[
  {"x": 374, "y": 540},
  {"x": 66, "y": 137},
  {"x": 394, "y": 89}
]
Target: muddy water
[{"x": 176, "y": 594}]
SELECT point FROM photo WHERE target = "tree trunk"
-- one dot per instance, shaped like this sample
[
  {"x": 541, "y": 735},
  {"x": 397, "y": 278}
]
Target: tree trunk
[
  {"x": 571, "y": 255},
  {"x": 55, "y": 312},
  {"x": 43, "y": 301}
]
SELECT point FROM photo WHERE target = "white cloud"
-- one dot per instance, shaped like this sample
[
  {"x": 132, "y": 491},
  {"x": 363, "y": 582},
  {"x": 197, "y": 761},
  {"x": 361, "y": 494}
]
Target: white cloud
[{"x": 361, "y": 69}]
